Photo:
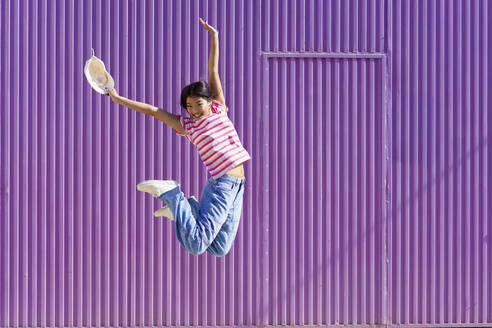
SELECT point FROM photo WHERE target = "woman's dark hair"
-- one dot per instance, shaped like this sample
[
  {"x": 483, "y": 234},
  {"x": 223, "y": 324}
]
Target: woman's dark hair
[{"x": 197, "y": 89}]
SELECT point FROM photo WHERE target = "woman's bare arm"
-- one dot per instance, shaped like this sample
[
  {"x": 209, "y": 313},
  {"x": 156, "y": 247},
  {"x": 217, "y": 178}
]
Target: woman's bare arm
[
  {"x": 163, "y": 116},
  {"x": 213, "y": 63}
]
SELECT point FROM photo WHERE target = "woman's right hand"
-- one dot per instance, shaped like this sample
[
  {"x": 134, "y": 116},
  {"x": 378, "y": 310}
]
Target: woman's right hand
[{"x": 113, "y": 94}]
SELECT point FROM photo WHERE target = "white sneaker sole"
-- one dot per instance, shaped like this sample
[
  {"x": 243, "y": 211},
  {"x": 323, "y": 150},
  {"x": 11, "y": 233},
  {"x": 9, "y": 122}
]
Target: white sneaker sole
[
  {"x": 157, "y": 187},
  {"x": 164, "y": 211}
]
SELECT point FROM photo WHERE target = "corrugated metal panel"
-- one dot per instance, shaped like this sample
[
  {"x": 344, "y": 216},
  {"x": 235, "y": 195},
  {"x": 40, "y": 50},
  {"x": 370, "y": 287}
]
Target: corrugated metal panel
[
  {"x": 441, "y": 225},
  {"x": 79, "y": 245},
  {"x": 366, "y": 202},
  {"x": 324, "y": 95},
  {"x": 334, "y": 26},
  {"x": 326, "y": 233}
]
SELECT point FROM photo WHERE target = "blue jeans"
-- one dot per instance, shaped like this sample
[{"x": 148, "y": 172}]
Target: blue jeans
[{"x": 210, "y": 225}]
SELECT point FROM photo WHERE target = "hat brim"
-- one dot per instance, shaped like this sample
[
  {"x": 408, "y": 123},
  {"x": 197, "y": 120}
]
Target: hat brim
[{"x": 102, "y": 89}]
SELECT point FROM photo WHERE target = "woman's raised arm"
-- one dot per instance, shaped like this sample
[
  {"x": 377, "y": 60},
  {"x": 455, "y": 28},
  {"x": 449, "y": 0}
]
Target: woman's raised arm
[{"x": 213, "y": 63}]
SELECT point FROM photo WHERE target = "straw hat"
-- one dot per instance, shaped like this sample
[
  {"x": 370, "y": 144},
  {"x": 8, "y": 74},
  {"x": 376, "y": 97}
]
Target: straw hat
[{"x": 97, "y": 76}]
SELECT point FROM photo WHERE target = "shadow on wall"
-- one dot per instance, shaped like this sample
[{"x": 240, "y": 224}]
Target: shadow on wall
[{"x": 416, "y": 195}]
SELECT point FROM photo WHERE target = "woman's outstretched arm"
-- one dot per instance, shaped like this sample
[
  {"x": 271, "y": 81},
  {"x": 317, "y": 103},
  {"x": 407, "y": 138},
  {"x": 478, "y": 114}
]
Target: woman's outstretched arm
[
  {"x": 213, "y": 63},
  {"x": 160, "y": 114}
]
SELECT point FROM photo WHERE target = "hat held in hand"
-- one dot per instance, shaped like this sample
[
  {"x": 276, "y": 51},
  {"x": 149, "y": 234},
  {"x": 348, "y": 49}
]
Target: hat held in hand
[{"x": 97, "y": 76}]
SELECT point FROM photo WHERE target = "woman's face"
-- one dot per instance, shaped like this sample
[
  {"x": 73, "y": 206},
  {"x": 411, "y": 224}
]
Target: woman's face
[{"x": 198, "y": 107}]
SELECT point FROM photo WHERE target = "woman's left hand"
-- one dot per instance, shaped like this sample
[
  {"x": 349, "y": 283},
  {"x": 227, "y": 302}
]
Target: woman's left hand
[{"x": 209, "y": 28}]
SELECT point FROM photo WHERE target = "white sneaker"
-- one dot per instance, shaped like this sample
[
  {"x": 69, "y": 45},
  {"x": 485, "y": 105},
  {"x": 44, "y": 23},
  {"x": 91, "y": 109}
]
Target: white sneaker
[
  {"x": 157, "y": 187},
  {"x": 164, "y": 211}
]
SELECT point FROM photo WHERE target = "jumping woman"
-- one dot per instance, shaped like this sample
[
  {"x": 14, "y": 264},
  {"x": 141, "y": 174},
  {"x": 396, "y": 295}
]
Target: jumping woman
[{"x": 211, "y": 224}]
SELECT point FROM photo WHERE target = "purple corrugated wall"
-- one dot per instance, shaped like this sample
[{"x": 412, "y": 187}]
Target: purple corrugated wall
[
  {"x": 440, "y": 232},
  {"x": 368, "y": 198}
]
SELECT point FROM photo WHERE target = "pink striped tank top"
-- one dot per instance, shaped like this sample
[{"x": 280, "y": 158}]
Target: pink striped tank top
[{"x": 216, "y": 140}]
